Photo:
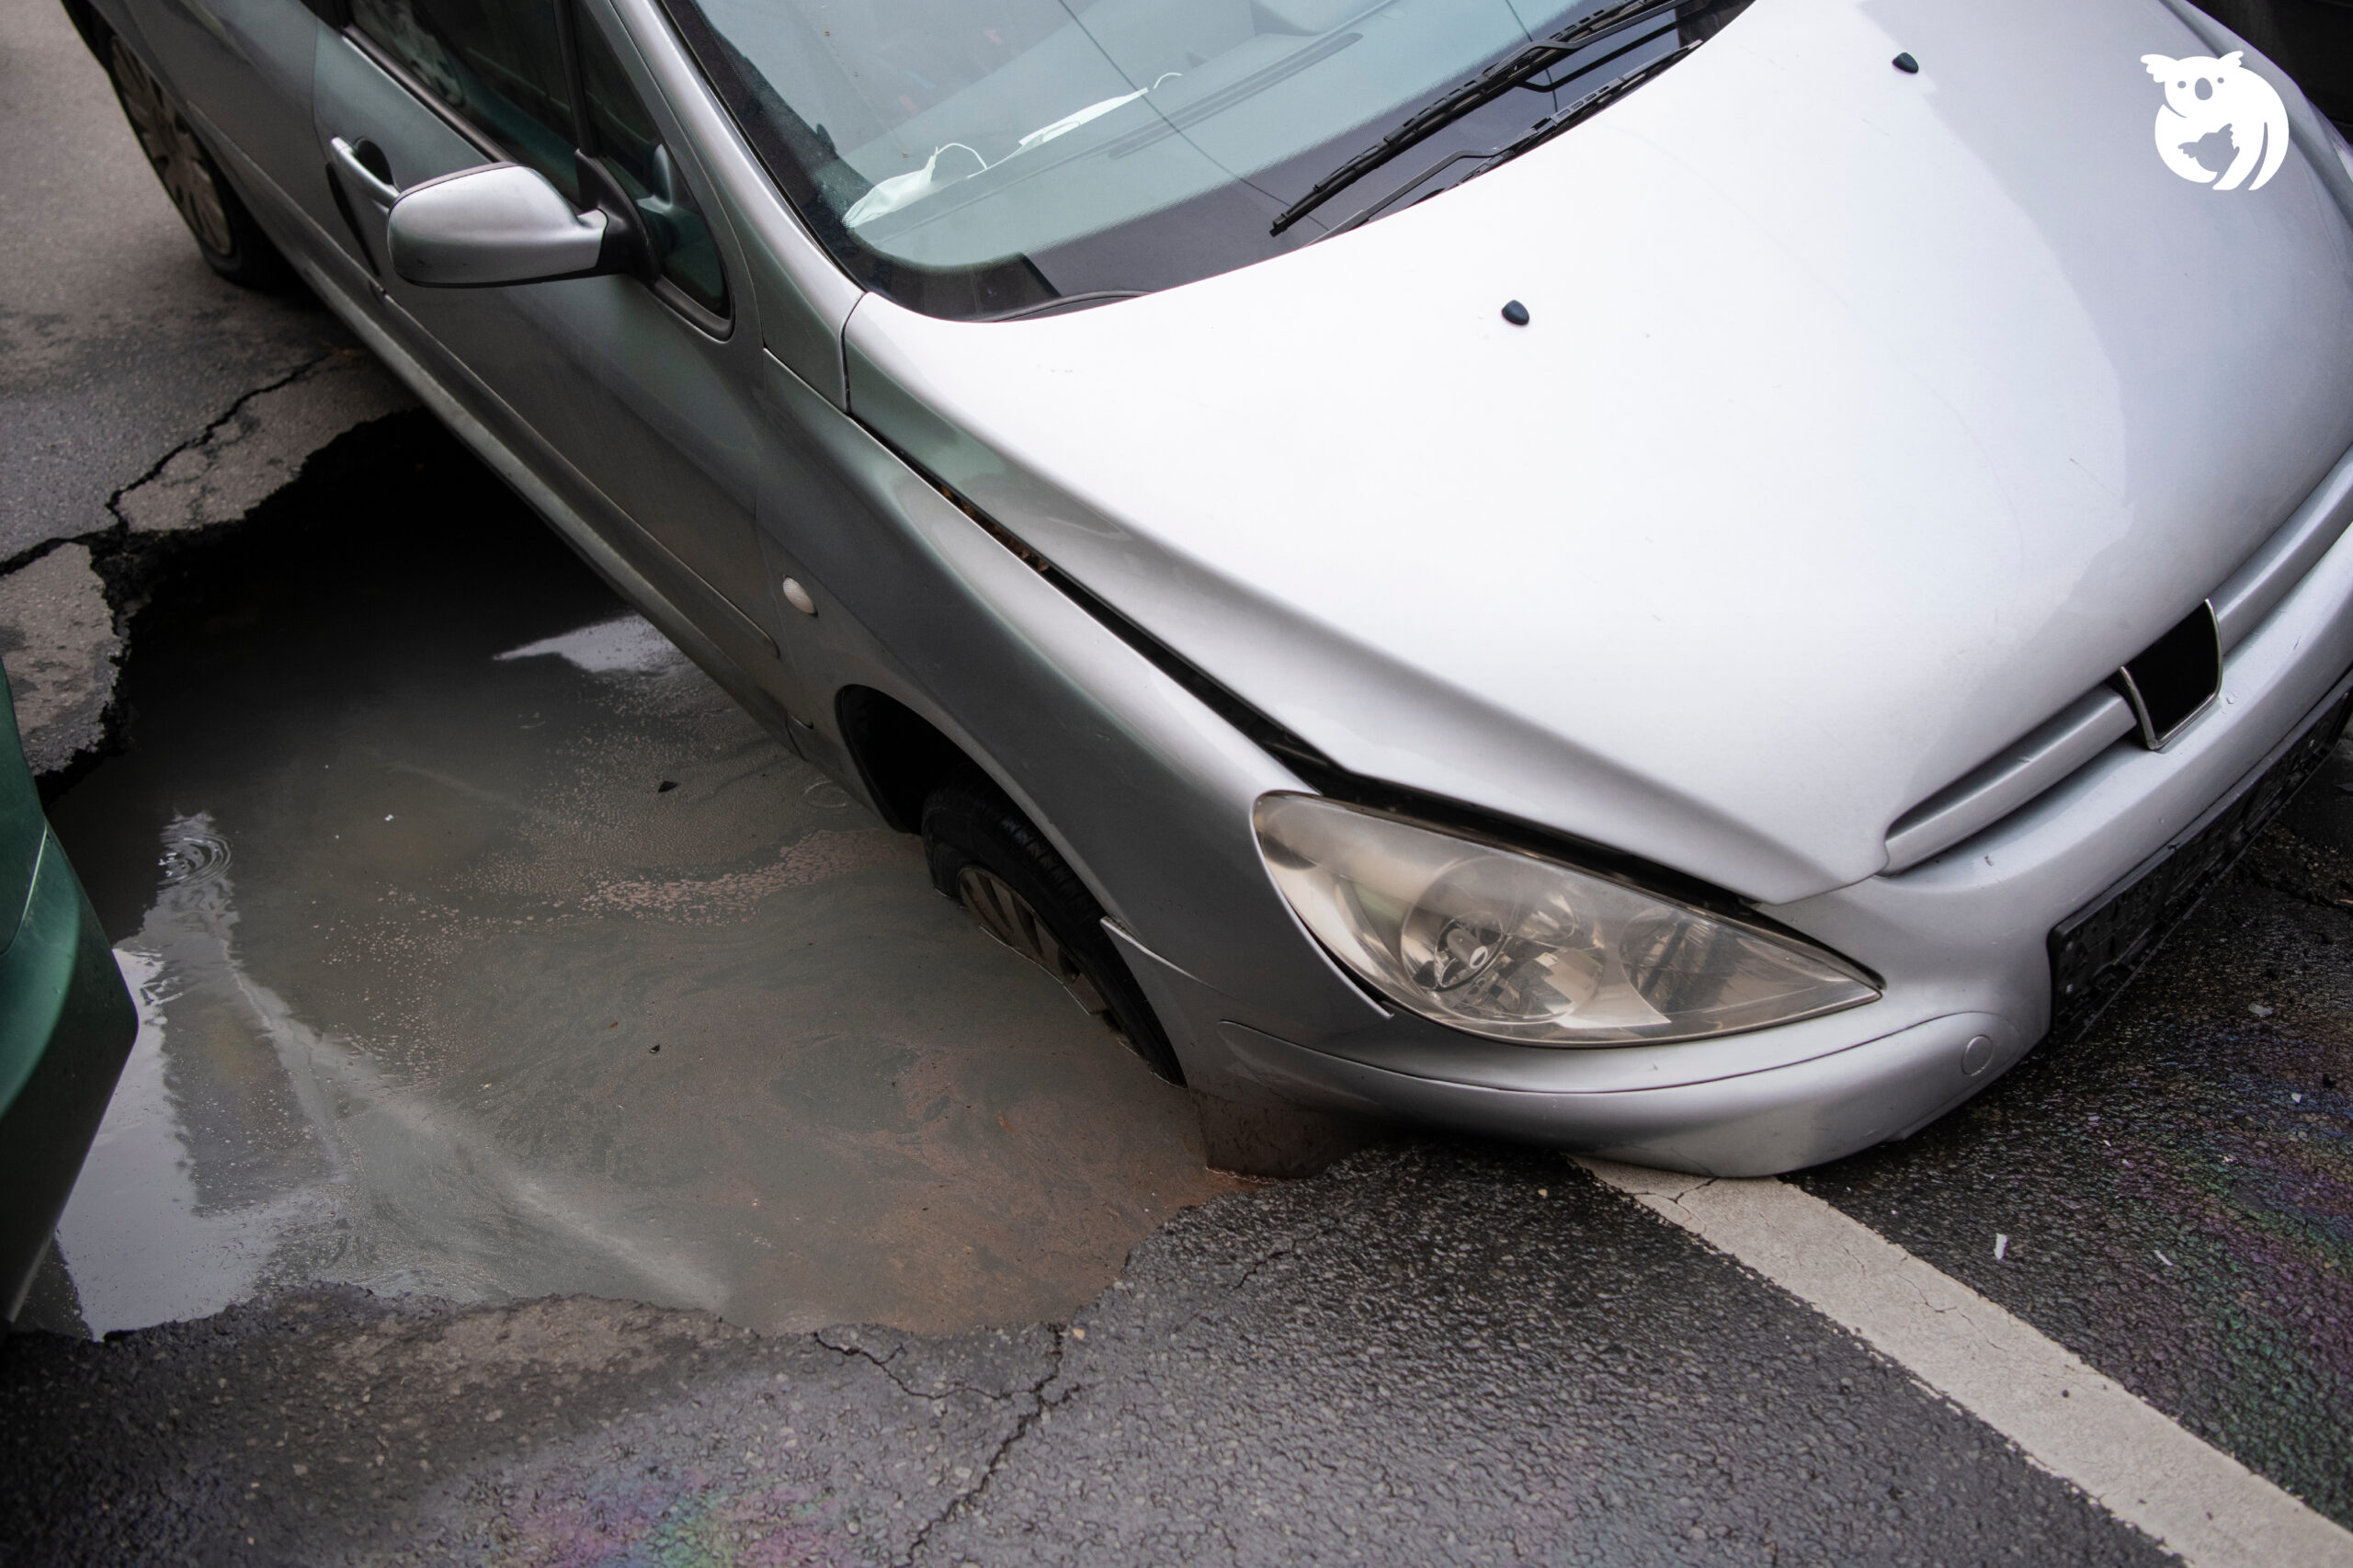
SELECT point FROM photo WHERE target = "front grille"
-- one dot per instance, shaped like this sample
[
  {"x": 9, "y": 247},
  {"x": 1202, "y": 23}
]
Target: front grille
[{"x": 2175, "y": 678}]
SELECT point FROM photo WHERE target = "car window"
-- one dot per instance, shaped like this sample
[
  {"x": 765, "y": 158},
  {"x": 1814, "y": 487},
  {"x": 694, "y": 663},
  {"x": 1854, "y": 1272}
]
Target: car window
[
  {"x": 989, "y": 157},
  {"x": 497, "y": 65},
  {"x": 621, "y": 133}
]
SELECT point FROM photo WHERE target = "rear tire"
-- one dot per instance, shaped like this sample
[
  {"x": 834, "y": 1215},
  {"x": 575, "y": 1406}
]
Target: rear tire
[
  {"x": 989, "y": 858},
  {"x": 232, "y": 243}
]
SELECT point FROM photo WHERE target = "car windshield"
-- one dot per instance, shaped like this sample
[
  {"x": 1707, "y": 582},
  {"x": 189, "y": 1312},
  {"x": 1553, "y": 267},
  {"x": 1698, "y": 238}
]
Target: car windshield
[{"x": 982, "y": 158}]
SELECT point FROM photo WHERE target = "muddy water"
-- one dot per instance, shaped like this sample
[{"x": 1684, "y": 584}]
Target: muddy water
[{"x": 484, "y": 950}]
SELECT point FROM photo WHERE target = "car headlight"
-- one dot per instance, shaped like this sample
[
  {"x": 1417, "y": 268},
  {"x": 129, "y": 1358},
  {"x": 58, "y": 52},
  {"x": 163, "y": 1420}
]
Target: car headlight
[{"x": 1515, "y": 948}]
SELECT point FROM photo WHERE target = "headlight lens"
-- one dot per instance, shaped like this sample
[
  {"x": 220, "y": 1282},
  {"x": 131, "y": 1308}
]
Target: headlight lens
[{"x": 1515, "y": 948}]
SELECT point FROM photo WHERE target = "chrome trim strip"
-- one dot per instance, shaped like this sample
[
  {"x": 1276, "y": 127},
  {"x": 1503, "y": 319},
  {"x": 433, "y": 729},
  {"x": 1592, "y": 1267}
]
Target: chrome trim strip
[
  {"x": 2020, "y": 772},
  {"x": 2099, "y": 718},
  {"x": 2254, "y": 590}
]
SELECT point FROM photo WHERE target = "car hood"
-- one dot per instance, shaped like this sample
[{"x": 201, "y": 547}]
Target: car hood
[{"x": 1863, "y": 420}]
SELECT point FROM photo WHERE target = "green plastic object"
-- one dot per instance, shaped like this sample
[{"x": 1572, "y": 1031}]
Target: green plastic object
[
  {"x": 21, "y": 823},
  {"x": 66, "y": 1024}
]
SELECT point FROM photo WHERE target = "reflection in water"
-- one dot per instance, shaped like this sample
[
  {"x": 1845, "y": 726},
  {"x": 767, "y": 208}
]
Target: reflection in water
[
  {"x": 627, "y": 644},
  {"x": 141, "y": 1246},
  {"x": 190, "y": 1200}
]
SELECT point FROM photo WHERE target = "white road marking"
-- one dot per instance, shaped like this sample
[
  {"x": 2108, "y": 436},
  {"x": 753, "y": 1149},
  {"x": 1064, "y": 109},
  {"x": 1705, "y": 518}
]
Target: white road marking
[{"x": 2131, "y": 1459}]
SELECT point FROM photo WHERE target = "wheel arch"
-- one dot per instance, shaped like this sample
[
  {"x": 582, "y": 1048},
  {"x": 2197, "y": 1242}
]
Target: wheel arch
[{"x": 901, "y": 757}]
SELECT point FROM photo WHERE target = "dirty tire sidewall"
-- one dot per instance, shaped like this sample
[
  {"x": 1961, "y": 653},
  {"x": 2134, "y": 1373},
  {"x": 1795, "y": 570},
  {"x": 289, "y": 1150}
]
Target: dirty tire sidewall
[{"x": 969, "y": 819}]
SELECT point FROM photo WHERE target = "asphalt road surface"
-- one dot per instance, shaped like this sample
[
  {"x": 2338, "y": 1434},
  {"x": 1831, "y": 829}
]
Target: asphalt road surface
[
  {"x": 537, "y": 1059},
  {"x": 1439, "y": 1354}
]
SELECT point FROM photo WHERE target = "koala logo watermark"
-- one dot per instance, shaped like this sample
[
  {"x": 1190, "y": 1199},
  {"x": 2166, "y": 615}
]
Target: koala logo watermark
[{"x": 2204, "y": 97}]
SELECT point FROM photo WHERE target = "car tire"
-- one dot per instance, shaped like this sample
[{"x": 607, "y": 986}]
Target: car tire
[
  {"x": 987, "y": 857},
  {"x": 232, "y": 243}
]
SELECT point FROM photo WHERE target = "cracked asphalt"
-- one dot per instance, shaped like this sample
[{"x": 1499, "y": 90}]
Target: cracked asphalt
[
  {"x": 117, "y": 342},
  {"x": 141, "y": 397}
]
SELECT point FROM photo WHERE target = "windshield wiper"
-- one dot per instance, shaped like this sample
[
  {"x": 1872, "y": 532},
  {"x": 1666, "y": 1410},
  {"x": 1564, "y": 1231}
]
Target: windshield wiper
[
  {"x": 1601, "y": 97},
  {"x": 1484, "y": 88}
]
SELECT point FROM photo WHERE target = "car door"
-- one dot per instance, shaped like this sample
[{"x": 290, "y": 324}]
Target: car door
[{"x": 627, "y": 395}]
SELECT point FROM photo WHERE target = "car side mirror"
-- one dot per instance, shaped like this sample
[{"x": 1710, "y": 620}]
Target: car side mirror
[{"x": 481, "y": 228}]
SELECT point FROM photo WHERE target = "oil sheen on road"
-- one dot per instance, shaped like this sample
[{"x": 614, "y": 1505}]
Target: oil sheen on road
[{"x": 2171, "y": 1197}]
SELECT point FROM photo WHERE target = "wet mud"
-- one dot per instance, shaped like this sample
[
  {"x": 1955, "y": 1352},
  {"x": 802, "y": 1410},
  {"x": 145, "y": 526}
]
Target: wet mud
[{"x": 484, "y": 950}]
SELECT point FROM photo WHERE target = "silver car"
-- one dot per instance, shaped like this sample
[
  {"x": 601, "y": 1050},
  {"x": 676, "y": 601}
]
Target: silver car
[{"x": 1679, "y": 578}]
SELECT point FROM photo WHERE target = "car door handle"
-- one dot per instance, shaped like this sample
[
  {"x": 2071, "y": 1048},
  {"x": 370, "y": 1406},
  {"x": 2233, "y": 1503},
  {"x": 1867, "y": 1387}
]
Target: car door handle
[{"x": 379, "y": 188}]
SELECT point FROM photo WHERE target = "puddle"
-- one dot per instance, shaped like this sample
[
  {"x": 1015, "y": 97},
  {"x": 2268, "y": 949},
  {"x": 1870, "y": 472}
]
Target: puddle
[
  {"x": 485, "y": 950},
  {"x": 149, "y": 1248}
]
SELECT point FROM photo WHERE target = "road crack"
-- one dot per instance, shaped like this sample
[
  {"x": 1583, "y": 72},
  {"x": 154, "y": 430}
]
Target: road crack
[
  {"x": 882, "y": 1365},
  {"x": 1041, "y": 1403},
  {"x": 968, "y": 1499},
  {"x": 114, "y": 502}
]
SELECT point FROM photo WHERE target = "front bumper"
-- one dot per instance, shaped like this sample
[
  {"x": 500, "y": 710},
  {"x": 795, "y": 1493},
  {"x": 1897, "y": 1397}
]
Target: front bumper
[
  {"x": 59, "y": 986},
  {"x": 1960, "y": 942},
  {"x": 1756, "y": 1124}
]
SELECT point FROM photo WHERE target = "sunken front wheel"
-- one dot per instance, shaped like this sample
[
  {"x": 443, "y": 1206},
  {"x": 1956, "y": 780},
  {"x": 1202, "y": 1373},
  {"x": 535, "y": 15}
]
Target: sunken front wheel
[
  {"x": 232, "y": 242},
  {"x": 987, "y": 857}
]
